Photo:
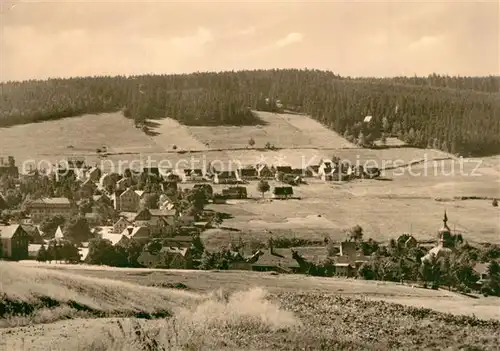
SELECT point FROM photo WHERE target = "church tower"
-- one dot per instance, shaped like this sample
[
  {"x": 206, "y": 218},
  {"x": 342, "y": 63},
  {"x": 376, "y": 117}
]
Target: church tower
[{"x": 444, "y": 234}]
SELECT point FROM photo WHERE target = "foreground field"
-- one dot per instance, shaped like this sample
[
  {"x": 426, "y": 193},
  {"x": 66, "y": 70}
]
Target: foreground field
[{"x": 279, "y": 313}]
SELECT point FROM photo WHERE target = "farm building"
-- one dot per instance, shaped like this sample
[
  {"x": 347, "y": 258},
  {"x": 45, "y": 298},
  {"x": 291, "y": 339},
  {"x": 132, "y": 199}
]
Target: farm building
[
  {"x": 167, "y": 257},
  {"x": 265, "y": 172},
  {"x": 226, "y": 177},
  {"x": 284, "y": 169},
  {"x": 282, "y": 192},
  {"x": 235, "y": 192},
  {"x": 277, "y": 260},
  {"x": 249, "y": 173}
]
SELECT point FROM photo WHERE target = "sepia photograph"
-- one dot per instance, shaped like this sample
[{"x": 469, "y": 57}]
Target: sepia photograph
[{"x": 249, "y": 175}]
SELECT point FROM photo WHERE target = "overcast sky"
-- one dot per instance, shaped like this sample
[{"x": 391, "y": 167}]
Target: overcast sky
[{"x": 70, "y": 38}]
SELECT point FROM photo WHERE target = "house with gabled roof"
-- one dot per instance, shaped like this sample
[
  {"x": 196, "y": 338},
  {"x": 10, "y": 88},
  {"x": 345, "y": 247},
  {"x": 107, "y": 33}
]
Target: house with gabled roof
[
  {"x": 127, "y": 201},
  {"x": 140, "y": 234},
  {"x": 167, "y": 257},
  {"x": 35, "y": 237},
  {"x": 15, "y": 242},
  {"x": 102, "y": 199},
  {"x": 121, "y": 224},
  {"x": 123, "y": 183},
  {"x": 265, "y": 172}
]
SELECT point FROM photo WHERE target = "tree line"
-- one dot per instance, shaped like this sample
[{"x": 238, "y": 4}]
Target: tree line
[{"x": 455, "y": 114}]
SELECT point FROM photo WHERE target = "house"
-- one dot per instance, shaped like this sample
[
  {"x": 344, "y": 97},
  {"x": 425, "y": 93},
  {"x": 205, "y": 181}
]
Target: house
[
  {"x": 167, "y": 257},
  {"x": 278, "y": 260},
  {"x": 166, "y": 203},
  {"x": 123, "y": 183},
  {"x": 181, "y": 241},
  {"x": 349, "y": 260},
  {"x": 226, "y": 177},
  {"x": 33, "y": 250},
  {"x": 49, "y": 207},
  {"x": 102, "y": 199},
  {"x": 121, "y": 224},
  {"x": 411, "y": 242},
  {"x": 283, "y": 169},
  {"x": 140, "y": 234},
  {"x": 265, "y": 172},
  {"x": 282, "y": 192},
  {"x": 127, "y": 201},
  {"x": 15, "y": 242},
  {"x": 129, "y": 216},
  {"x": 34, "y": 234},
  {"x": 250, "y": 173},
  {"x": 116, "y": 239},
  {"x": 235, "y": 192}
]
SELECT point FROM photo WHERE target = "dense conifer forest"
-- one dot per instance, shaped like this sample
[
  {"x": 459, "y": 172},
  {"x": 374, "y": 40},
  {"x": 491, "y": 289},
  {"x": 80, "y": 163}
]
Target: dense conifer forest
[{"x": 456, "y": 114}]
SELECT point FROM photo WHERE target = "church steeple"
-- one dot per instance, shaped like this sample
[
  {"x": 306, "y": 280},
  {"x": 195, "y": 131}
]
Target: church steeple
[
  {"x": 445, "y": 232},
  {"x": 445, "y": 221}
]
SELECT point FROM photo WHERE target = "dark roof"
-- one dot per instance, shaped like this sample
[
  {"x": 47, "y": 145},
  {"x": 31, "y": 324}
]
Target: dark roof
[
  {"x": 284, "y": 169},
  {"x": 227, "y": 174},
  {"x": 248, "y": 172},
  {"x": 267, "y": 259},
  {"x": 283, "y": 190}
]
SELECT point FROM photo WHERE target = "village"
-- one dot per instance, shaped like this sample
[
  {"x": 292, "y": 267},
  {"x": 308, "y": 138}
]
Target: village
[{"x": 153, "y": 218}]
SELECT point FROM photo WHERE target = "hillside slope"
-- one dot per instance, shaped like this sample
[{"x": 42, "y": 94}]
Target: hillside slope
[
  {"x": 464, "y": 121},
  {"x": 250, "y": 319}
]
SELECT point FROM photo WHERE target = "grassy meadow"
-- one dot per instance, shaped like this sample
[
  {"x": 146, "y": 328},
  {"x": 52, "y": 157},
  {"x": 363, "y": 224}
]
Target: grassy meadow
[{"x": 231, "y": 310}]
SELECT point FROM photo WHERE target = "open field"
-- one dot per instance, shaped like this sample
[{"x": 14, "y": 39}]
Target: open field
[
  {"x": 252, "y": 312},
  {"x": 168, "y": 132},
  {"x": 280, "y": 130},
  {"x": 385, "y": 209}
]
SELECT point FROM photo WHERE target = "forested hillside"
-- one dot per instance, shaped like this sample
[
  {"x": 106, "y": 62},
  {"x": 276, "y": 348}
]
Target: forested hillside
[{"x": 461, "y": 115}]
